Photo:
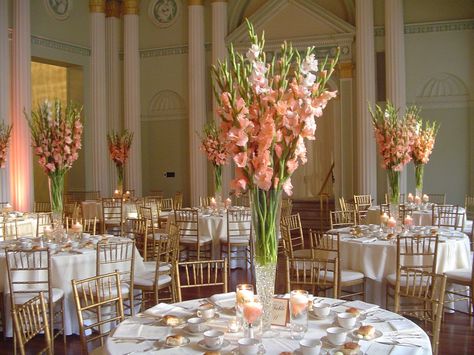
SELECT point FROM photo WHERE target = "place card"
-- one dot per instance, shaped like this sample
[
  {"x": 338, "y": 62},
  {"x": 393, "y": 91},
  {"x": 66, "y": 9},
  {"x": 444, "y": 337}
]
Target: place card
[{"x": 280, "y": 311}]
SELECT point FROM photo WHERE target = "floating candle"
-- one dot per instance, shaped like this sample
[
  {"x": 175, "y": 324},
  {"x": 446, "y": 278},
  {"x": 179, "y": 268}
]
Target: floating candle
[
  {"x": 410, "y": 197},
  {"x": 417, "y": 200},
  {"x": 408, "y": 221},
  {"x": 228, "y": 203},
  {"x": 252, "y": 311},
  {"x": 425, "y": 198},
  {"x": 76, "y": 228},
  {"x": 213, "y": 202},
  {"x": 384, "y": 218},
  {"x": 391, "y": 223}
]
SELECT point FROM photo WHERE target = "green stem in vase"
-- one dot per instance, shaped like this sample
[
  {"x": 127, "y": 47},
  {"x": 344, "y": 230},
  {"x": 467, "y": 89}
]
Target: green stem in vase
[
  {"x": 218, "y": 178},
  {"x": 394, "y": 183},
  {"x": 56, "y": 189},
  {"x": 120, "y": 175},
  {"x": 419, "y": 171}
]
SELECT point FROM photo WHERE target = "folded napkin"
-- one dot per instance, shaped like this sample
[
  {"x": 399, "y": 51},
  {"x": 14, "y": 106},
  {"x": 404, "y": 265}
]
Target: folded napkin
[
  {"x": 223, "y": 300},
  {"x": 137, "y": 330},
  {"x": 362, "y": 306},
  {"x": 401, "y": 324},
  {"x": 374, "y": 348},
  {"x": 164, "y": 309}
]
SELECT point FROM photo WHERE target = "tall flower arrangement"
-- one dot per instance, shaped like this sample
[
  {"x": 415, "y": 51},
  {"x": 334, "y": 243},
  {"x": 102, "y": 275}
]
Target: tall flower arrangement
[
  {"x": 119, "y": 148},
  {"x": 422, "y": 147},
  {"x": 394, "y": 136},
  {"x": 268, "y": 109},
  {"x": 5, "y": 133},
  {"x": 56, "y": 139},
  {"x": 214, "y": 147}
]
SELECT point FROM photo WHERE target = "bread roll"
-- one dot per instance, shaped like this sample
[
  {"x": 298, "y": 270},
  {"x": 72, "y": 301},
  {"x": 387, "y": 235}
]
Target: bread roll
[
  {"x": 366, "y": 332},
  {"x": 353, "y": 310},
  {"x": 171, "y": 320},
  {"x": 174, "y": 340},
  {"x": 350, "y": 349}
]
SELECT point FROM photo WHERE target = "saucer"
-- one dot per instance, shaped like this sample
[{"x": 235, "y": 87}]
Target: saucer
[
  {"x": 185, "y": 342},
  {"x": 189, "y": 332},
  {"x": 377, "y": 335},
  {"x": 203, "y": 345},
  {"x": 327, "y": 343},
  {"x": 357, "y": 324}
]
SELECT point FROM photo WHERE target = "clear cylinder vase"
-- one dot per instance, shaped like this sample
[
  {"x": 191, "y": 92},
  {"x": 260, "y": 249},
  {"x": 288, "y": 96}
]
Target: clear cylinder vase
[
  {"x": 120, "y": 176},
  {"x": 393, "y": 179},
  {"x": 56, "y": 190},
  {"x": 265, "y": 206},
  {"x": 419, "y": 171}
]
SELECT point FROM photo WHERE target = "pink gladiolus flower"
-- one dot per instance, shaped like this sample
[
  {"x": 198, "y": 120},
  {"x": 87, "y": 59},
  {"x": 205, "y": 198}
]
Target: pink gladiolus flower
[
  {"x": 288, "y": 187},
  {"x": 241, "y": 159}
]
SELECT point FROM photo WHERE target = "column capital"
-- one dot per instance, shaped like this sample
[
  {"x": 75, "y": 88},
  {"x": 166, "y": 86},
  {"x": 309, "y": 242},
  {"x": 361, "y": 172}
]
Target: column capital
[
  {"x": 195, "y": 2},
  {"x": 97, "y": 6},
  {"x": 345, "y": 70},
  {"x": 112, "y": 8},
  {"x": 131, "y": 7}
]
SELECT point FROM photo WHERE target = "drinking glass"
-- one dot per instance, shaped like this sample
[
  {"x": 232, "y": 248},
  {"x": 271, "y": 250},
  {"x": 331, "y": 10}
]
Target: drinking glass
[
  {"x": 244, "y": 293},
  {"x": 298, "y": 313},
  {"x": 252, "y": 314}
]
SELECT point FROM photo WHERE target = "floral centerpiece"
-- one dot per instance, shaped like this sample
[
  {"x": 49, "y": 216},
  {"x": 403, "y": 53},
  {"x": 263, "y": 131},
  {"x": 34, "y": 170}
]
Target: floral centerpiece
[
  {"x": 56, "y": 140},
  {"x": 394, "y": 136},
  {"x": 422, "y": 147},
  {"x": 214, "y": 147},
  {"x": 5, "y": 133},
  {"x": 119, "y": 148},
  {"x": 267, "y": 111}
]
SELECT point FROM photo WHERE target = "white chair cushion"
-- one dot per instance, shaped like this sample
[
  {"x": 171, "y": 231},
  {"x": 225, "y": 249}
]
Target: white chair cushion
[
  {"x": 148, "y": 279},
  {"x": 235, "y": 240},
  {"x": 392, "y": 279},
  {"x": 349, "y": 275},
  {"x": 463, "y": 275},
  {"x": 190, "y": 239},
  {"x": 158, "y": 235},
  {"x": 468, "y": 227},
  {"x": 151, "y": 266},
  {"x": 25, "y": 297}
]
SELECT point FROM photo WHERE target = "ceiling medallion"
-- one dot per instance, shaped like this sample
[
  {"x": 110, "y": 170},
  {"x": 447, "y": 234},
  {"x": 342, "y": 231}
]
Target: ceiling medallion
[
  {"x": 163, "y": 13},
  {"x": 59, "y": 9}
]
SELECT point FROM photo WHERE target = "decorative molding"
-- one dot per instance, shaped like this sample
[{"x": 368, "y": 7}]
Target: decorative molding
[
  {"x": 164, "y": 51},
  {"x": 61, "y": 46},
  {"x": 164, "y": 13},
  {"x": 429, "y": 27},
  {"x": 60, "y": 10},
  {"x": 443, "y": 90},
  {"x": 165, "y": 105}
]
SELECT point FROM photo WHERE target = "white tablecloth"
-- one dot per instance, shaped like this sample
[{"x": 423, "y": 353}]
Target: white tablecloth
[
  {"x": 26, "y": 227},
  {"x": 378, "y": 259},
  {"x": 64, "y": 268},
  {"x": 273, "y": 346},
  {"x": 420, "y": 217}
]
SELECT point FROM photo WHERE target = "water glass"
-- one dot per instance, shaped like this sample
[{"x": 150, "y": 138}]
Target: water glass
[
  {"x": 298, "y": 313},
  {"x": 244, "y": 293}
]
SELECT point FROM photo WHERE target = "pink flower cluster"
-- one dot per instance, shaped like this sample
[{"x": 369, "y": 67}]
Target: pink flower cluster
[
  {"x": 56, "y": 138},
  {"x": 213, "y": 145},
  {"x": 424, "y": 143},
  {"x": 119, "y": 147},
  {"x": 5, "y": 131},
  {"x": 394, "y": 137},
  {"x": 265, "y": 126}
]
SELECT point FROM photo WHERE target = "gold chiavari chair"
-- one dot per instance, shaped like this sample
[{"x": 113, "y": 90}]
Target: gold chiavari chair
[
  {"x": 447, "y": 216},
  {"x": 328, "y": 244},
  {"x": 120, "y": 257},
  {"x": 154, "y": 202},
  {"x": 208, "y": 274},
  {"x": 237, "y": 243},
  {"x": 460, "y": 288},
  {"x": 205, "y": 201},
  {"x": 157, "y": 193},
  {"x": 414, "y": 252},
  {"x": 98, "y": 295},
  {"x": 469, "y": 225},
  {"x": 286, "y": 207},
  {"x": 166, "y": 204},
  {"x": 403, "y": 211},
  {"x": 153, "y": 220},
  {"x": 43, "y": 220},
  {"x": 10, "y": 230},
  {"x": 341, "y": 219},
  {"x": 79, "y": 196},
  {"x": 292, "y": 234},
  {"x": 242, "y": 200},
  {"x": 29, "y": 272},
  {"x": 312, "y": 274},
  {"x": 437, "y": 199},
  {"x": 29, "y": 320},
  {"x": 362, "y": 205},
  {"x": 138, "y": 229},
  {"x": 190, "y": 235},
  {"x": 89, "y": 225},
  {"x": 153, "y": 282},
  {"x": 346, "y": 205},
  {"x": 71, "y": 210},
  {"x": 385, "y": 208},
  {"x": 178, "y": 200},
  {"x": 425, "y": 292},
  {"x": 112, "y": 215},
  {"x": 42, "y": 207}
]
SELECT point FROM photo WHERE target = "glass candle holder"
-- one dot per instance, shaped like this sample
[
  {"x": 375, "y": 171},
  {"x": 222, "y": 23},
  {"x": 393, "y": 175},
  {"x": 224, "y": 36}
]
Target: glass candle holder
[
  {"x": 244, "y": 293},
  {"x": 298, "y": 313}
]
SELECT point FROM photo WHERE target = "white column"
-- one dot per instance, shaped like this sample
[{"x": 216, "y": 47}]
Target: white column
[
  {"x": 98, "y": 111},
  {"x": 21, "y": 162},
  {"x": 114, "y": 102},
  {"x": 219, "y": 52},
  {"x": 5, "y": 94},
  {"x": 395, "y": 62},
  {"x": 197, "y": 99},
  {"x": 131, "y": 81},
  {"x": 365, "y": 88}
]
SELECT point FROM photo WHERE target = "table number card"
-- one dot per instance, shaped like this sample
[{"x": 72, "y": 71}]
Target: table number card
[{"x": 280, "y": 312}]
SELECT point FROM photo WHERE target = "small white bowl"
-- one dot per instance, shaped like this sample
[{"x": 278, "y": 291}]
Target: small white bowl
[
  {"x": 346, "y": 320},
  {"x": 321, "y": 310}
]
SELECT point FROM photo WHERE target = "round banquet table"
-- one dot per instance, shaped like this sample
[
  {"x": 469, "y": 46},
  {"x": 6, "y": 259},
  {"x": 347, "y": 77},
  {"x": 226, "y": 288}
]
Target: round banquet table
[
  {"x": 420, "y": 217},
  {"x": 377, "y": 258},
  {"x": 65, "y": 266},
  {"x": 151, "y": 334}
]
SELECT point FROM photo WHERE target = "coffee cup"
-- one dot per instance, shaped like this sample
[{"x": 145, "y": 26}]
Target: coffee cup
[
  {"x": 346, "y": 320},
  {"x": 213, "y": 338},
  {"x": 248, "y": 346},
  {"x": 336, "y": 335},
  {"x": 321, "y": 310},
  {"x": 196, "y": 324},
  {"x": 310, "y": 346},
  {"x": 206, "y": 311}
]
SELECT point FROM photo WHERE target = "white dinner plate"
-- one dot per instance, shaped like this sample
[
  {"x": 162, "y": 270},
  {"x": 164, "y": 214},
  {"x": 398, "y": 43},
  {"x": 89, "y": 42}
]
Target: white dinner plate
[{"x": 356, "y": 336}]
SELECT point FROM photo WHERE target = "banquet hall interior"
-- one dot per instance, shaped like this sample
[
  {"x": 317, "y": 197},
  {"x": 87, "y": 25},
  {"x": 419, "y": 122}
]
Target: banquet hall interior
[{"x": 166, "y": 131}]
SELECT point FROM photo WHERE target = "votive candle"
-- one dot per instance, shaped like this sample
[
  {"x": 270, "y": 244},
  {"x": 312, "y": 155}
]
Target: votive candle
[
  {"x": 384, "y": 218},
  {"x": 408, "y": 221},
  {"x": 417, "y": 200},
  {"x": 410, "y": 197},
  {"x": 213, "y": 202},
  {"x": 228, "y": 202},
  {"x": 425, "y": 198},
  {"x": 391, "y": 223}
]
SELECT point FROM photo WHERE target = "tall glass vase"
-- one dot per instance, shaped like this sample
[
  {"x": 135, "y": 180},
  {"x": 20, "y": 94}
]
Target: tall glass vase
[
  {"x": 265, "y": 206},
  {"x": 56, "y": 190},
  {"x": 419, "y": 171},
  {"x": 120, "y": 175},
  {"x": 393, "y": 179},
  {"x": 218, "y": 185}
]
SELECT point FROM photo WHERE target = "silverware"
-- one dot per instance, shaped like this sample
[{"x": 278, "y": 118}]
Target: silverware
[
  {"x": 394, "y": 342},
  {"x": 129, "y": 340}
]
